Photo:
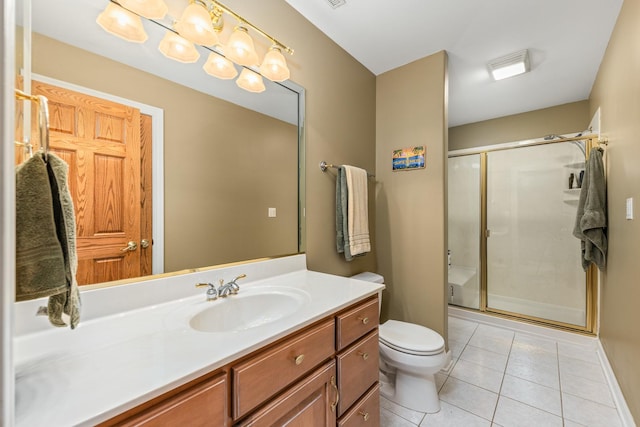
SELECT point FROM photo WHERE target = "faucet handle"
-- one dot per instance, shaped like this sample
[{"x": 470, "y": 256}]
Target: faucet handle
[{"x": 212, "y": 292}]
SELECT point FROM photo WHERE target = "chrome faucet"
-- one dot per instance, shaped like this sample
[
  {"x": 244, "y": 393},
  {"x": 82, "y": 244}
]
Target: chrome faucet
[
  {"x": 212, "y": 293},
  {"x": 230, "y": 288}
]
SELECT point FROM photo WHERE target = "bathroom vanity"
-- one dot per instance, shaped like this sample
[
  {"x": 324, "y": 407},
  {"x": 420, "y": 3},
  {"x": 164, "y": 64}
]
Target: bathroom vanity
[{"x": 313, "y": 360}]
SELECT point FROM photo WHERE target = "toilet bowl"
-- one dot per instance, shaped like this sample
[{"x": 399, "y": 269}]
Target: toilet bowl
[{"x": 410, "y": 356}]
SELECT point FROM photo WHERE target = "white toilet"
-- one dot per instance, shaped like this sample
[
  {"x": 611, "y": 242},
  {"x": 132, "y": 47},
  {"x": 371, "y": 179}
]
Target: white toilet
[{"x": 410, "y": 356}]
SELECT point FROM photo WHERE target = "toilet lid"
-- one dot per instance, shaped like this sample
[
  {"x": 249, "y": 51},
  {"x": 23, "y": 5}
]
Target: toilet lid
[{"x": 410, "y": 338}]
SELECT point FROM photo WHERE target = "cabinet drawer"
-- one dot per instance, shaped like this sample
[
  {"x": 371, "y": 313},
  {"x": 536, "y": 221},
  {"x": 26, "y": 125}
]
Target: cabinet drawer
[
  {"x": 204, "y": 404},
  {"x": 365, "y": 413},
  {"x": 356, "y": 322},
  {"x": 307, "y": 403},
  {"x": 268, "y": 372},
  {"x": 357, "y": 370}
]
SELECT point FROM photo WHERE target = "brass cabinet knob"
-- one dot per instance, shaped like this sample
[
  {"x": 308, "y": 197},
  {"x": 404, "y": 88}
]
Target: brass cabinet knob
[
  {"x": 365, "y": 415},
  {"x": 299, "y": 359},
  {"x": 364, "y": 320},
  {"x": 363, "y": 354}
]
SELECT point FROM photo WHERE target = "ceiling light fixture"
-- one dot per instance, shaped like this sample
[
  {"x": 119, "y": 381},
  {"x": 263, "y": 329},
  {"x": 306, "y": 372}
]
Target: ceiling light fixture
[
  {"x": 201, "y": 23},
  {"x": 510, "y": 65}
]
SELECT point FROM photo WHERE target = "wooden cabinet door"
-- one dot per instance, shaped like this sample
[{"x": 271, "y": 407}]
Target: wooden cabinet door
[
  {"x": 311, "y": 402},
  {"x": 100, "y": 140}
]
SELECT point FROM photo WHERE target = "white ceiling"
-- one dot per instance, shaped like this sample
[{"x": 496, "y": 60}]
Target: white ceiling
[{"x": 566, "y": 41}]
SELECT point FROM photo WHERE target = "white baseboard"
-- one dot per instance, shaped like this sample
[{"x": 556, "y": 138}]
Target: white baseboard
[{"x": 616, "y": 392}]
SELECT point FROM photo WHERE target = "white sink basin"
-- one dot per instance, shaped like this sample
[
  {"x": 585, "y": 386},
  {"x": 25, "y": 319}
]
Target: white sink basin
[{"x": 248, "y": 309}]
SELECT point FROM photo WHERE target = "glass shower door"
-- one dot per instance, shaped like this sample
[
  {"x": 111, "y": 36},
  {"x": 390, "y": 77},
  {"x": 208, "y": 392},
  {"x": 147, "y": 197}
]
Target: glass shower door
[
  {"x": 533, "y": 260},
  {"x": 464, "y": 230}
]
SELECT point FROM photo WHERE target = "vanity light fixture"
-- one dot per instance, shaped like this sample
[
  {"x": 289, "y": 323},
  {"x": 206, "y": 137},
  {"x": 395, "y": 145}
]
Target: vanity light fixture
[
  {"x": 201, "y": 23},
  {"x": 150, "y": 9},
  {"x": 510, "y": 65},
  {"x": 178, "y": 48},
  {"x": 220, "y": 67},
  {"x": 240, "y": 48},
  {"x": 195, "y": 25},
  {"x": 274, "y": 66},
  {"x": 120, "y": 22},
  {"x": 250, "y": 81}
]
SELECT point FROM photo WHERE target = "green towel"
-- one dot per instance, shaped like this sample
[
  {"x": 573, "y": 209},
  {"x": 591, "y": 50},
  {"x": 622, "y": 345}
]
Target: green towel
[
  {"x": 591, "y": 218},
  {"x": 67, "y": 302},
  {"x": 342, "y": 215},
  {"x": 40, "y": 268}
]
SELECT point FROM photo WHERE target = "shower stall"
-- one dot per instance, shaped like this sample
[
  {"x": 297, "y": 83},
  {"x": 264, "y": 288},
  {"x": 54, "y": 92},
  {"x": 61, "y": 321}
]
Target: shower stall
[{"x": 512, "y": 209}]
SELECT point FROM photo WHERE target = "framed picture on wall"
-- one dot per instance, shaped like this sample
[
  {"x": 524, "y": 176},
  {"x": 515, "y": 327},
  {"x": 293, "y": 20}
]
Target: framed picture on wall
[{"x": 410, "y": 158}]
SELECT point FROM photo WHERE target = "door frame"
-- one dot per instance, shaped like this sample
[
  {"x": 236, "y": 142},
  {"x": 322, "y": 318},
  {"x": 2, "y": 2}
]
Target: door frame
[{"x": 157, "y": 160}]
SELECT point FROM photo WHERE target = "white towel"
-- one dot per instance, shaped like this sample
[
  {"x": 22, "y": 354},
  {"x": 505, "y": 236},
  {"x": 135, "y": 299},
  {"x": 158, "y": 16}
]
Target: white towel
[{"x": 358, "y": 211}]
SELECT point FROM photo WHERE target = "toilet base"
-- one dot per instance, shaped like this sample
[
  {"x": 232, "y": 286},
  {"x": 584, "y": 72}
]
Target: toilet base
[{"x": 416, "y": 393}]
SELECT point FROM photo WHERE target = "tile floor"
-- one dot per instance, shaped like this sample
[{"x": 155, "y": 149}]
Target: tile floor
[{"x": 506, "y": 378}]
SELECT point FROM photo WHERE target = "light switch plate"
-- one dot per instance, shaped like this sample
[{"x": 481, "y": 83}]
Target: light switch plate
[
  {"x": 272, "y": 212},
  {"x": 630, "y": 208}
]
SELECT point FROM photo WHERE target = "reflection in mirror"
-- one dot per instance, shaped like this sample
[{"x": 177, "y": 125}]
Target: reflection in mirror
[{"x": 227, "y": 159}]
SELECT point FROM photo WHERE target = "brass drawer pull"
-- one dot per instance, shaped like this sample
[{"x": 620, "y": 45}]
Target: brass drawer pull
[
  {"x": 364, "y": 320},
  {"x": 299, "y": 359},
  {"x": 333, "y": 384},
  {"x": 365, "y": 415},
  {"x": 363, "y": 354}
]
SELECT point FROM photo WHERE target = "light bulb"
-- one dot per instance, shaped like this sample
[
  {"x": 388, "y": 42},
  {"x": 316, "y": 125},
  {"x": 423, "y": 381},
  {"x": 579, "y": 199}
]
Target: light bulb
[
  {"x": 220, "y": 67},
  {"x": 122, "y": 23},
  {"x": 274, "y": 66},
  {"x": 178, "y": 48},
  {"x": 195, "y": 25},
  {"x": 250, "y": 81},
  {"x": 240, "y": 48},
  {"x": 150, "y": 9}
]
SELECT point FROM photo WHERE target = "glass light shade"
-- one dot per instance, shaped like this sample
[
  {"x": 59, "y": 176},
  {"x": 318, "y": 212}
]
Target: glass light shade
[
  {"x": 122, "y": 23},
  {"x": 250, "y": 81},
  {"x": 177, "y": 48},
  {"x": 240, "y": 48},
  {"x": 195, "y": 25},
  {"x": 220, "y": 67},
  {"x": 150, "y": 9},
  {"x": 274, "y": 66}
]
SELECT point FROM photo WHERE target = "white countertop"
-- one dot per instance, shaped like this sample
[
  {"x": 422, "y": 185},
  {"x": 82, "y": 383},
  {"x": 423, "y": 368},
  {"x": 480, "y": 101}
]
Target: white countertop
[{"x": 112, "y": 363}]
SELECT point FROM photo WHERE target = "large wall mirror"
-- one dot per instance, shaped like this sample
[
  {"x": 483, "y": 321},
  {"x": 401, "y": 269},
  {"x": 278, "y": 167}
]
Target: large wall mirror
[{"x": 224, "y": 178}]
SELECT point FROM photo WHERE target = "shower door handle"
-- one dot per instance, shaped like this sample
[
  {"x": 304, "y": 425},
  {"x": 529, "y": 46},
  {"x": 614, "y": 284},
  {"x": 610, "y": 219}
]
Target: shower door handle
[{"x": 487, "y": 233}]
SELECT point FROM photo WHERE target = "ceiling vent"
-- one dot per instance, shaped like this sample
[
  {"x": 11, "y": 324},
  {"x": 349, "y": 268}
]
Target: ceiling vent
[{"x": 336, "y": 3}]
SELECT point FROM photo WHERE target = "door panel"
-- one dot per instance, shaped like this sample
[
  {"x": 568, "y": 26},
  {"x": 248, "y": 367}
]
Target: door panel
[{"x": 100, "y": 140}]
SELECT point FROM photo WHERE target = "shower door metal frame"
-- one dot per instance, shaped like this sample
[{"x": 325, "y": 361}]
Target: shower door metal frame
[{"x": 591, "y": 279}]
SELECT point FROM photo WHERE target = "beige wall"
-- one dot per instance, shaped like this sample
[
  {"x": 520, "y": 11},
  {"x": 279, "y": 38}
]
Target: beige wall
[
  {"x": 411, "y": 205},
  {"x": 340, "y": 126},
  {"x": 217, "y": 190},
  {"x": 617, "y": 93},
  {"x": 561, "y": 119}
]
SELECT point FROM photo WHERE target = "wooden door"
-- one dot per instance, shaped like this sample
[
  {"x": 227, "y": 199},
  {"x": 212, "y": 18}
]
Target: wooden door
[{"x": 100, "y": 140}]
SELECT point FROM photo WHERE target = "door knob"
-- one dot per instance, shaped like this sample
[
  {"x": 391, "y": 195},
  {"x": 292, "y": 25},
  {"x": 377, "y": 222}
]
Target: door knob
[
  {"x": 131, "y": 246},
  {"x": 144, "y": 243}
]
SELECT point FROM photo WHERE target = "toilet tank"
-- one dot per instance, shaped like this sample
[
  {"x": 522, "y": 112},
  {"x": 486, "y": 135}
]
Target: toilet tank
[{"x": 368, "y": 276}]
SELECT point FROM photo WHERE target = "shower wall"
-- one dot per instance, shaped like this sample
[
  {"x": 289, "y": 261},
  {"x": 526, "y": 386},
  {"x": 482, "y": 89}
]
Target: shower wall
[
  {"x": 464, "y": 230},
  {"x": 533, "y": 260}
]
